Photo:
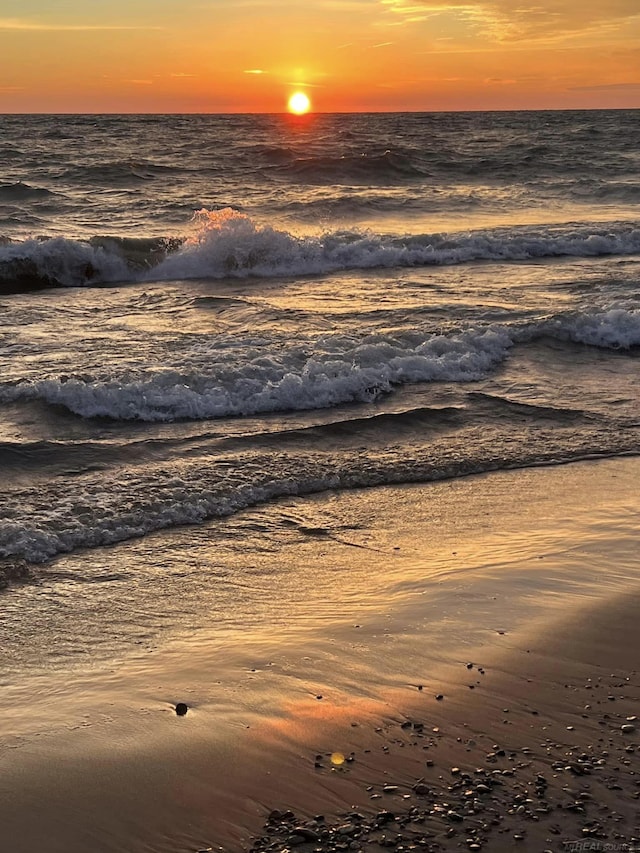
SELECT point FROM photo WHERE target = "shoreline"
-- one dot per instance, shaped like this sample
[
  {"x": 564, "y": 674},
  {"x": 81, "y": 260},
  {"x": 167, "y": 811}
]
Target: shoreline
[{"x": 422, "y": 581}]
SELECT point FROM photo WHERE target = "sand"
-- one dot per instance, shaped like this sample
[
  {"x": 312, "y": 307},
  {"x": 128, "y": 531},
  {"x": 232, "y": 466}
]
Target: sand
[{"x": 473, "y": 644}]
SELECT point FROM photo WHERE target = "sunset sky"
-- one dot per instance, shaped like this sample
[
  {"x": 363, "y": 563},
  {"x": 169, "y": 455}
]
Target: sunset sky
[{"x": 346, "y": 55}]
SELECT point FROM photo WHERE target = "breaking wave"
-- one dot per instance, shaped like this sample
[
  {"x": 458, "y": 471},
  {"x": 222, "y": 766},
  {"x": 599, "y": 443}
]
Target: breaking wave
[
  {"x": 229, "y": 244},
  {"x": 319, "y": 374}
]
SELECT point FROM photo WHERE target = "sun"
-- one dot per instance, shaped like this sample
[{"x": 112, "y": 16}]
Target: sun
[{"x": 299, "y": 103}]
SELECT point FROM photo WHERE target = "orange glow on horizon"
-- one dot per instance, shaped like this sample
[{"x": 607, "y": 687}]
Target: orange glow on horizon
[{"x": 231, "y": 58}]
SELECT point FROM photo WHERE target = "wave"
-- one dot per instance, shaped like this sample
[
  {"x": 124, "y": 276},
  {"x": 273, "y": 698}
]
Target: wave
[
  {"x": 57, "y": 262},
  {"x": 102, "y": 509},
  {"x": 230, "y": 244},
  {"x": 118, "y": 172},
  {"x": 614, "y": 191},
  {"x": 314, "y": 375},
  {"x": 342, "y": 371},
  {"x": 20, "y": 191},
  {"x": 390, "y": 166}
]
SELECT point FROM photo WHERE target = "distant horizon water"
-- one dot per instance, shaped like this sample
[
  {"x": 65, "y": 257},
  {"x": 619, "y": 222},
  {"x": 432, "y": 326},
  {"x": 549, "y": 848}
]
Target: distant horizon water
[{"x": 313, "y": 112}]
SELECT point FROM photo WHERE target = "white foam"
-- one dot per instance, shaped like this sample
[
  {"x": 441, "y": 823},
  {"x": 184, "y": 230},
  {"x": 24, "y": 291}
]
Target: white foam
[
  {"x": 231, "y": 244},
  {"x": 617, "y": 328},
  {"x": 236, "y": 377},
  {"x": 335, "y": 370},
  {"x": 228, "y": 244}
]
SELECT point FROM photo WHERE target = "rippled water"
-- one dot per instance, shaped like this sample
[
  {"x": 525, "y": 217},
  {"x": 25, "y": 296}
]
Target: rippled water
[{"x": 202, "y": 313}]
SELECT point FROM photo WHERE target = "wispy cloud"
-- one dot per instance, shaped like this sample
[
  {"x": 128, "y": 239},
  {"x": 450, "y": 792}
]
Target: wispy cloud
[
  {"x": 43, "y": 26},
  {"x": 254, "y": 71},
  {"x": 507, "y": 19},
  {"x": 499, "y": 81},
  {"x": 304, "y": 85},
  {"x": 608, "y": 87}
]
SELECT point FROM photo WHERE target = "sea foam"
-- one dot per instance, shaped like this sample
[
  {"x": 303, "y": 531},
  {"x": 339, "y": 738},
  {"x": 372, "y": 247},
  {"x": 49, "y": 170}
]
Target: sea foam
[
  {"x": 229, "y": 244},
  {"x": 215, "y": 381}
]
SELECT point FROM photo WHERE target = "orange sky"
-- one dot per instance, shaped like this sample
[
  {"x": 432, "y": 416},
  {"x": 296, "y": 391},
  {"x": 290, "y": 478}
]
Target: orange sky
[{"x": 250, "y": 55}]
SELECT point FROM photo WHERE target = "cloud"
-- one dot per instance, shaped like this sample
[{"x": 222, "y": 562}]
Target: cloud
[
  {"x": 254, "y": 71},
  {"x": 300, "y": 85},
  {"x": 20, "y": 24},
  {"x": 508, "y": 19},
  {"x": 608, "y": 87}
]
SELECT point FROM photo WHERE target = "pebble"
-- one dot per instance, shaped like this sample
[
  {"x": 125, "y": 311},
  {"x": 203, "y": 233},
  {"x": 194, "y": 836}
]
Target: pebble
[
  {"x": 479, "y": 807},
  {"x": 181, "y": 709}
]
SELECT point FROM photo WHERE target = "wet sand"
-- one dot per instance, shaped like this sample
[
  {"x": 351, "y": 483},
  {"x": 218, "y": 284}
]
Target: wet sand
[{"x": 472, "y": 645}]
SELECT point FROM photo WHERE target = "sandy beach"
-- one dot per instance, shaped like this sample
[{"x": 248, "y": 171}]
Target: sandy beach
[{"x": 469, "y": 648}]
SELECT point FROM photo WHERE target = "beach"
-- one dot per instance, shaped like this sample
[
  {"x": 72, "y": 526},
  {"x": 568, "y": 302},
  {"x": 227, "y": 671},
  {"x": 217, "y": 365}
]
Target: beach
[
  {"x": 319, "y": 449},
  {"x": 469, "y": 644}
]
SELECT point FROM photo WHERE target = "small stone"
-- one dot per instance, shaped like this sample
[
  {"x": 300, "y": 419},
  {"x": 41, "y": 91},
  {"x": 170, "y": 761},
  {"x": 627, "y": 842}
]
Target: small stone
[
  {"x": 390, "y": 789},
  {"x": 454, "y": 816},
  {"x": 627, "y": 728},
  {"x": 439, "y": 697},
  {"x": 385, "y": 817},
  {"x": 307, "y": 834},
  {"x": 181, "y": 709}
]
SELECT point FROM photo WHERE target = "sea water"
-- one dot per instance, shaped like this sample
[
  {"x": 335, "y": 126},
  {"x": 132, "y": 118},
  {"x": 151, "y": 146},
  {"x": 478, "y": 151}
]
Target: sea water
[{"x": 202, "y": 314}]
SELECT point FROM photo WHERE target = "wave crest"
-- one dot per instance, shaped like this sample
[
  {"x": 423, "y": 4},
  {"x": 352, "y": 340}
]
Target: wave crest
[
  {"x": 213, "y": 382},
  {"x": 230, "y": 244}
]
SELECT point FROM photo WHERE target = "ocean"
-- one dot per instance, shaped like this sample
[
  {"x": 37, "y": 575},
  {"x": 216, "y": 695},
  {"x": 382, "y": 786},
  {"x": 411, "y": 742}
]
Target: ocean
[{"x": 204, "y": 314}]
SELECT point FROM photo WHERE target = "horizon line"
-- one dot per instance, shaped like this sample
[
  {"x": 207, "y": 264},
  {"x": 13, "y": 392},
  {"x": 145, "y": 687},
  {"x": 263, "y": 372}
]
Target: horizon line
[{"x": 310, "y": 114}]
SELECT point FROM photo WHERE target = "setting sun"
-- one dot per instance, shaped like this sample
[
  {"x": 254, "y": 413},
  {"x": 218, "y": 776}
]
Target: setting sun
[{"x": 299, "y": 103}]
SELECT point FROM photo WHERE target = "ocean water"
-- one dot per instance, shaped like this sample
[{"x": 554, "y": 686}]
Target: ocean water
[{"x": 202, "y": 314}]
